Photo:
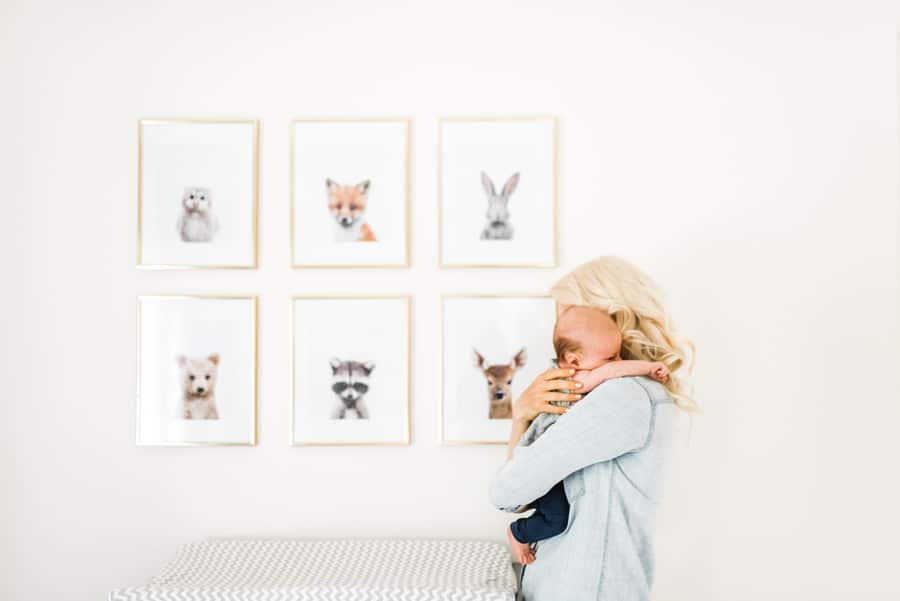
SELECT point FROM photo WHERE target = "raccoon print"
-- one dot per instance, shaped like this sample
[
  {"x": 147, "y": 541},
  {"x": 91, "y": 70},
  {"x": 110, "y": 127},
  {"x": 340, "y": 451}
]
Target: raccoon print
[{"x": 350, "y": 383}]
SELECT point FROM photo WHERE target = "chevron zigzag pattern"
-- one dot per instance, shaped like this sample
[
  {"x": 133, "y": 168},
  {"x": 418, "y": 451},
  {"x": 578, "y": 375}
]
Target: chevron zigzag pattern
[{"x": 332, "y": 569}]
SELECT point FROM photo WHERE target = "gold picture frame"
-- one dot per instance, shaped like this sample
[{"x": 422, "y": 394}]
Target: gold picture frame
[
  {"x": 441, "y": 358},
  {"x": 142, "y": 123},
  {"x": 407, "y": 166},
  {"x": 407, "y": 380},
  {"x": 255, "y": 371},
  {"x": 554, "y": 123}
]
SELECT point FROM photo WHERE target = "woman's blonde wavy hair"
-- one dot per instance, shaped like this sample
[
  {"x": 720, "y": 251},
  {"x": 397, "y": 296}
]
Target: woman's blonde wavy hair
[{"x": 637, "y": 305}]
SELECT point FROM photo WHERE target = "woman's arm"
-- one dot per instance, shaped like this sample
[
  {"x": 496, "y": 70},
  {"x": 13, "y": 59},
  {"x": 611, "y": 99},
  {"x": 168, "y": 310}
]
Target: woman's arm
[
  {"x": 535, "y": 399},
  {"x": 612, "y": 420},
  {"x": 515, "y": 434}
]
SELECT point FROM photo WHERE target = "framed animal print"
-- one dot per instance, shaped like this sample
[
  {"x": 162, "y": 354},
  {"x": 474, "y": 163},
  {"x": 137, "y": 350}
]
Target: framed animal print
[
  {"x": 350, "y": 193},
  {"x": 350, "y": 359},
  {"x": 492, "y": 349},
  {"x": 196, "y": 370},
  {"x": 197, "y": 194},
  {"x": 497, "y": 192}
]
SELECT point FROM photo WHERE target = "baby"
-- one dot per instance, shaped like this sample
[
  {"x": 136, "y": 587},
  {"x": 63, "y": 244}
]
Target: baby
[{"x": 592, "y": 347}]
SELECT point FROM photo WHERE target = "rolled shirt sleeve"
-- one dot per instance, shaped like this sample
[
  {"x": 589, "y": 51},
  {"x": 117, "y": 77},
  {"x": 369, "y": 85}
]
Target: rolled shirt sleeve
[{"x": 612, "y": 420}]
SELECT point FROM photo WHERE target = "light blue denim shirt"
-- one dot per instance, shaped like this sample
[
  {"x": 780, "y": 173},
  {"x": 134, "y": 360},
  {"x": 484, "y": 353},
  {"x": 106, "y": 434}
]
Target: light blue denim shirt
[{"x": 610, "y": 450}]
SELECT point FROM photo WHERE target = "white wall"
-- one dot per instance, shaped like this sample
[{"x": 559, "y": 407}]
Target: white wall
[{"x": 751, "y": 168}]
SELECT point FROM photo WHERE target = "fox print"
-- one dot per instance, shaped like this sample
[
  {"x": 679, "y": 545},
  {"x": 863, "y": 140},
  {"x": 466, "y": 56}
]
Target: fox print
[{"x": 347, "y": 205}]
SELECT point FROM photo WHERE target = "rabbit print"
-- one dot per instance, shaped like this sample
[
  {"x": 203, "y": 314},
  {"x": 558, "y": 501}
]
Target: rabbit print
[{"x": 498, "y": 225}]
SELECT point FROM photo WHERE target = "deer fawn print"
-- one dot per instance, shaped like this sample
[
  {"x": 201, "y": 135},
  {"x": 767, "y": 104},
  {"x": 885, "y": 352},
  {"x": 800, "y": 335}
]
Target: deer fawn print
[
  {"x": 499, "y": 380},
  {"x": 498, "y": 226}
]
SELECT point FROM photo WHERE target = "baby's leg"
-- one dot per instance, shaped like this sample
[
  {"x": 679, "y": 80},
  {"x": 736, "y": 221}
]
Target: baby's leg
[
  {"x": 550, "y": 518},
  {"x": 523, "y": 552}
]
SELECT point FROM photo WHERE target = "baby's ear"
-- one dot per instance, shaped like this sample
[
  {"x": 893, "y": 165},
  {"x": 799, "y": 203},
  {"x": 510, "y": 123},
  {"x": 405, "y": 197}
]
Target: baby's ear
[
  {"x": 214, "y": 358},
  {"x": 572, "y": 358}
]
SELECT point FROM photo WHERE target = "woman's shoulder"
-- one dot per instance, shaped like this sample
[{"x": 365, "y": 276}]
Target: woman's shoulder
[
  {"x": 613, "y": 419},
  {"x": 635, "y": 386},
  {"x": 628, "y": 391},
  {"x": 656, "y": 392},
  {"x": 619, "y": 395}
]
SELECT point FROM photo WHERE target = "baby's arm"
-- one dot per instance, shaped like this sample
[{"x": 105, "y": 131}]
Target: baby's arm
[{"x": 619, "y": 369}]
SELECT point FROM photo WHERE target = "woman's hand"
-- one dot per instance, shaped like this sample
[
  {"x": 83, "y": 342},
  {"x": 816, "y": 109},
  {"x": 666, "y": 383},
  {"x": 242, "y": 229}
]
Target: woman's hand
[{"x": 536, "y": 398}]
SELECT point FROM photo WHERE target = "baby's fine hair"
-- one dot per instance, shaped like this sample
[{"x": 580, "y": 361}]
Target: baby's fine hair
[{"x": 563, "y": 345}]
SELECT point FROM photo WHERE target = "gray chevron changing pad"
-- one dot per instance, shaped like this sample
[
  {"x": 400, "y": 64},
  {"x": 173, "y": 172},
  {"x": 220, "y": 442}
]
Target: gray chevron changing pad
[{"x": 340, "y": 569}]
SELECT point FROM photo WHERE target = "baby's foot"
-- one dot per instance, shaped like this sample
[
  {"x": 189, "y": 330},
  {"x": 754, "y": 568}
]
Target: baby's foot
[
  {"x": 523, "y": 552},
  {"x": 659, "y": 372}
]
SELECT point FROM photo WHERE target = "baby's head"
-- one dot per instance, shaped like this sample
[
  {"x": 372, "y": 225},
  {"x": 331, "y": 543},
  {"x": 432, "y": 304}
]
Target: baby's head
[{"x": 585, "y": 338}]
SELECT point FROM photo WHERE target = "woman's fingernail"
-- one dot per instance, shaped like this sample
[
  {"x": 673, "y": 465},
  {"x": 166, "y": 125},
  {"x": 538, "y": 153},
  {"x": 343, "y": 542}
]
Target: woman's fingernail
[
  {"x": 578, "y": 385},
  {"x": 571, "y": 371}
]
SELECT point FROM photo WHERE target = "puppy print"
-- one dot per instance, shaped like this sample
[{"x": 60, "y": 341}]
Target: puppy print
[
  {"x": 198, "y": 385},
  {"x": 197, "y": 223},
  {"x": 499, "y": 380},
  {"x": 350, "y": 383},
  {"x": 347, "y": 205},
  {"x": 498, "y": 226}
]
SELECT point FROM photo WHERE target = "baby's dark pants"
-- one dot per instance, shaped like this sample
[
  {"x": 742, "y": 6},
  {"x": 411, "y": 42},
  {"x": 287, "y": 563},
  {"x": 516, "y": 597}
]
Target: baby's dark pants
[{"x": 550, "y": 517}]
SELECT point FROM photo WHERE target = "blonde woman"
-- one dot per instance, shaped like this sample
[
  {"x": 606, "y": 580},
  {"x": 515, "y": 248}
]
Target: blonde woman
[{"x": 609, "y": 449}]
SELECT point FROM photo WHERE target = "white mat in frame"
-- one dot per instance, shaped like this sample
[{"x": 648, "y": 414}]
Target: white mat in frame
[
  {"x": 198, "y": 188},
  {"x": 197, "y": 370},
  {"x": 350, "y": 192},
  {"x": 497, "y": 327},
  {"x": 350, "y": 352},
  {"x": 497, "y": 191}
]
